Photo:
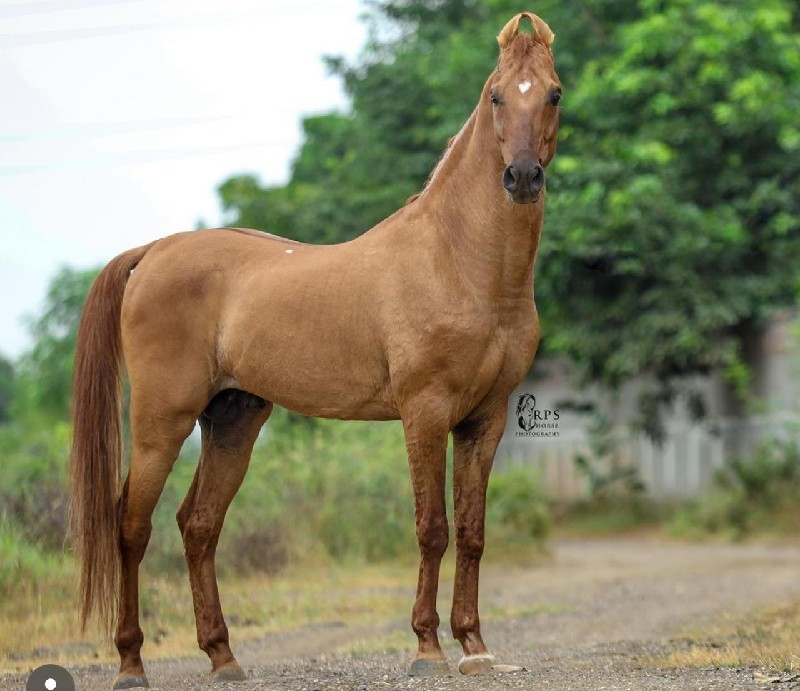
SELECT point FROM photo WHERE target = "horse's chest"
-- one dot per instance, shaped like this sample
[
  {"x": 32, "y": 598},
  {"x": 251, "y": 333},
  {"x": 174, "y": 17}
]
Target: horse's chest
[
  {"x": 462, "y": 359},
  {"x": 496, "y": 369},
  {"x": 512, "y": 355}
]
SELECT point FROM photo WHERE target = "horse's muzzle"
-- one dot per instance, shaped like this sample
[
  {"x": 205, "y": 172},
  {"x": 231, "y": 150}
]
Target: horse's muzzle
[{"x": 524, "y": 179}]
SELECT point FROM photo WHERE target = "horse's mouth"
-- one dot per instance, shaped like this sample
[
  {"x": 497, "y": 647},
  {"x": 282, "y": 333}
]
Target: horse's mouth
[{"x": 524, "y": 197}]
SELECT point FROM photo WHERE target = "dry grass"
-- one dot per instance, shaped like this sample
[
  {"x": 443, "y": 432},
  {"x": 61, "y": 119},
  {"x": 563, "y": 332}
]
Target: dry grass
[
  {"x": 253, "y": 605},
  {"x": 400, "y": 639},
  {"x": 769, "y": 638}
]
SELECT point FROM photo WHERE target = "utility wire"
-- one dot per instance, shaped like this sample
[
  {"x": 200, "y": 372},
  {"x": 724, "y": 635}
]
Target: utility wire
[{"x": 134, "y": 157}]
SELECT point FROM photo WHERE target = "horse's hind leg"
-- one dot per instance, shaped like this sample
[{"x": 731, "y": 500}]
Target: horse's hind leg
[
  {"x": 230, "y": 425},
  {"x": 158, "y": 433}
]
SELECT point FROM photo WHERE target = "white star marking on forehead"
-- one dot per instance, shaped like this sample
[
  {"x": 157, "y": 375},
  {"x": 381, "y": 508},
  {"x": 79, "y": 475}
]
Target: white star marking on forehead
[{"x": 524, "y": 86}]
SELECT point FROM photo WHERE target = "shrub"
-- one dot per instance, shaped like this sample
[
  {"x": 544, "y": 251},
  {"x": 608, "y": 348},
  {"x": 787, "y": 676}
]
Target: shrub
[
  {"x": 316, "y": 490},
  {"x": 517, "y": 507},
  {"x": 756, "y": 494}
]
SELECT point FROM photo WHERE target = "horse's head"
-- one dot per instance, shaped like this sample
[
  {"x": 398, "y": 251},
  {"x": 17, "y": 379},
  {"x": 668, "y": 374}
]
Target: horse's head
[{"x": 524, "y": 92}]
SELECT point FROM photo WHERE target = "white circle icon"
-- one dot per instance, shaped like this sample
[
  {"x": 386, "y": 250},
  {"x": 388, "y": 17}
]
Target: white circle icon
[{"x": 50, "y": 678}]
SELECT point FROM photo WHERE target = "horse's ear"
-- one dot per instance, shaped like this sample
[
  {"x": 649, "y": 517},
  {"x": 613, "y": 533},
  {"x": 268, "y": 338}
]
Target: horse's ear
[{"x": 540, "y": 30}]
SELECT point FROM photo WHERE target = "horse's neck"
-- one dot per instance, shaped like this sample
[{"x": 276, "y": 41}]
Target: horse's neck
[{"x": 492, "y": 240}]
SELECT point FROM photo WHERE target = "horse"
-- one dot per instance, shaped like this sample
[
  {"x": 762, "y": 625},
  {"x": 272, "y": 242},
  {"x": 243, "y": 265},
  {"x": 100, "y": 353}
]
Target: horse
[{"x": 428, "y": 317}]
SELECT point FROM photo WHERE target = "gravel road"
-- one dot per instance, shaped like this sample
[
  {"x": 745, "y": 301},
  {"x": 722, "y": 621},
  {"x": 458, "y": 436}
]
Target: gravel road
[{"x": 589, "y": 618}]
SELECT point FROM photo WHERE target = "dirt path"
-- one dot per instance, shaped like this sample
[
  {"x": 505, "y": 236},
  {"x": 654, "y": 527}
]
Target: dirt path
[{"x": 588, "y": 619}]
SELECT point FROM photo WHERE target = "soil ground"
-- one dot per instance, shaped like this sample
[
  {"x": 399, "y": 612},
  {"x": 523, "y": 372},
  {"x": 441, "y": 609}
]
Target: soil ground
[{"x": 598, "y": 615}]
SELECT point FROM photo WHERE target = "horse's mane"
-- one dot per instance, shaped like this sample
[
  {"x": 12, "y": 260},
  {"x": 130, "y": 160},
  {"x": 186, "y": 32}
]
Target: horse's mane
[
  {"x": 263, "y": 235},
  {"x": 447, "y": 150}
]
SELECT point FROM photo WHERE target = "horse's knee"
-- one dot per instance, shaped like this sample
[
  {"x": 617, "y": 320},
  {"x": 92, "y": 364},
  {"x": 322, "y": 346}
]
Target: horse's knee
[
  {"x": 432, "y": 535},
  {"x": 470, "y": 542}
]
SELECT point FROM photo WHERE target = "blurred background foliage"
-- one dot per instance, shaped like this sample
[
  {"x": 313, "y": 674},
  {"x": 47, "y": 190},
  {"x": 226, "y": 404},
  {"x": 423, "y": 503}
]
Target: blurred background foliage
[{"x": 672, "y": 233}]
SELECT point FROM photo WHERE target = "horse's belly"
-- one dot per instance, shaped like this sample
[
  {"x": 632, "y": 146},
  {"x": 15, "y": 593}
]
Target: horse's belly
[{"x": 314, "y": 375}]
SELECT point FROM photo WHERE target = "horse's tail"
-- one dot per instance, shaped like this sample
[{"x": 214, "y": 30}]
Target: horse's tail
[{"x": 96, "y": 457}]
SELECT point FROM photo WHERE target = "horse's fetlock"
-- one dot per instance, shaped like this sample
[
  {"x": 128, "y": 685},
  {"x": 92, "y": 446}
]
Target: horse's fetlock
[
  {"x": 129, "y": 640},
  {"x": 462, "y": 624},
  {"x": 211, "y": 640}
]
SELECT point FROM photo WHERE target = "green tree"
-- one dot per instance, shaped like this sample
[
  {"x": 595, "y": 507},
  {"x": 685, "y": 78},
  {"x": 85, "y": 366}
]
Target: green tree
[
  {"x": 6, "y": 387},
  {"x": 672, "y": 227},
  {"x": 43, "y": 385}
]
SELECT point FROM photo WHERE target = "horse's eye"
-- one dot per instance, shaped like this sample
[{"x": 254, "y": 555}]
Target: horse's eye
[
  {"x": 555, "y": 98},
  {"x": 495, "y": 99}
]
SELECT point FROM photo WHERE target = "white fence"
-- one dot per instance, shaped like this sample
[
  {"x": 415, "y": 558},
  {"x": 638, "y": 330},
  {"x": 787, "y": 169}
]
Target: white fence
[{"x": 684, "y": 466}]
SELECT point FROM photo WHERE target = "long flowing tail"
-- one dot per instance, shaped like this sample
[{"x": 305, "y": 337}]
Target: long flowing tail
[{"x": 96, "y": 457}]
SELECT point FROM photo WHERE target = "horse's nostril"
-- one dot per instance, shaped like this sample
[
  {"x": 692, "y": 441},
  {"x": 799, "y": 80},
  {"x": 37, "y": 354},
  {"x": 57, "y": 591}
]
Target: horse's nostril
[
  {"x": 537, "y": 177},
  {"x": 510, "y": 178}
]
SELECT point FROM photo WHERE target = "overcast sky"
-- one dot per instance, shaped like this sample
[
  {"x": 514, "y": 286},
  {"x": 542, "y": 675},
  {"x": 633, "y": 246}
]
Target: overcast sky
[{"x": 120, "y": 117}]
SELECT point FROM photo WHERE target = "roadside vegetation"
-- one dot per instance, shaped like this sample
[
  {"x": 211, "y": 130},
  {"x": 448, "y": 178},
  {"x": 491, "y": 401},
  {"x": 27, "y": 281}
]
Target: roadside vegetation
[
  {"x": 755, "y": 497},
  {"x": 766, "y": 639}
]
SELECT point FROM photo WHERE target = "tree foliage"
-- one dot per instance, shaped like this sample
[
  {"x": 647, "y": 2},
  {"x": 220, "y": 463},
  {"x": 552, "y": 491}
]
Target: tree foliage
[
  {"x": 672, "y": 226},
  {"x": 6, "y": 387},
  {"x": 43, "y": 382}
]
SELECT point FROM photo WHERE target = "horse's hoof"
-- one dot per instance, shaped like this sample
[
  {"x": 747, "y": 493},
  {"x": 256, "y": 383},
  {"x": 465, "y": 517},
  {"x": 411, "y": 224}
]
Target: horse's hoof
[
  {"x": 476, "y": 664},
  {"x": 128, "y": 682},
  {"x": 232, "y": 673},
  {"x": 429, "y": 667}
]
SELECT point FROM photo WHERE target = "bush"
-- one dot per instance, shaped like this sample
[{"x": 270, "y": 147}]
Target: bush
[
  {"x": 316, "y": 491},
  {"x": 33, "y": 482},
  {"x": 517, "y": 507},
  {"x": 322, "y": 490},
  {"x": 755, "y": 495},
  {"x": 26, "y": 566}
]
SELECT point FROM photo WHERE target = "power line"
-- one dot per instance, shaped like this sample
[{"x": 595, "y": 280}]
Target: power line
[
  {"x": 46, "y": 6},
  {"x": 22, "y": 39},
  {"x": 104, "y": 129},
  {"x": 134, "y": 157}
]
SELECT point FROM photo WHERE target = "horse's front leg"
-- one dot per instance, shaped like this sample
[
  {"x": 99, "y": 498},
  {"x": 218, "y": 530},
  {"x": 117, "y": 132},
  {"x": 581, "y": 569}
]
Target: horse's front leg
[
  {"x": 474, "y": 446},
  {"x": 426, "y": 443}
]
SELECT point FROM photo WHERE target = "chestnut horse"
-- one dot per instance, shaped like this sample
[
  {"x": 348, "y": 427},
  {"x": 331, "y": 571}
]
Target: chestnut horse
[{"x": 428, "y": 317}]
